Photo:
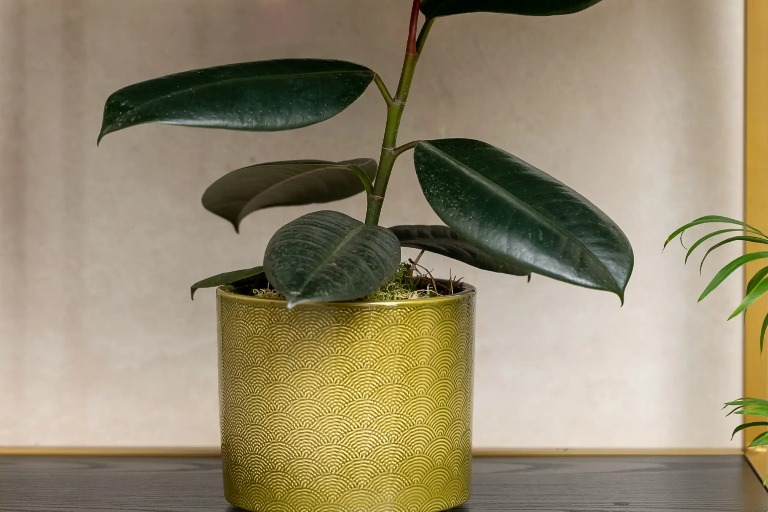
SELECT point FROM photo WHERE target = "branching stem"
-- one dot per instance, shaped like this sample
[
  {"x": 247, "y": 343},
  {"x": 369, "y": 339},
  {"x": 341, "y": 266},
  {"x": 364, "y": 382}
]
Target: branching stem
[
  {"x": 383, "y": 88},
  {"x": 405, "y": 147},
  {"x": 364, "y": 179},
  {"x": 389, "y": 149}
]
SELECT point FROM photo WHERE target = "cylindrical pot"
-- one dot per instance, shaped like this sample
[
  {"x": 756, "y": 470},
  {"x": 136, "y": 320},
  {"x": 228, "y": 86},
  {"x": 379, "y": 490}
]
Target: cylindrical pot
[{"x": 342, "y": 407}]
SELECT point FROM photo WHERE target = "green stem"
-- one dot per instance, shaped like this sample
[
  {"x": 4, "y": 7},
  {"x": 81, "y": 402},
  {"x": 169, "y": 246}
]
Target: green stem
[
  {"x": 405, "y": 147},
  {"x": 389, "y": 145},
  {"x": 423, "y": 34},
  {"x": 383, "y": 88},
  {"x": 364, "y": 179},
  {"x": 389, "y": 149}
]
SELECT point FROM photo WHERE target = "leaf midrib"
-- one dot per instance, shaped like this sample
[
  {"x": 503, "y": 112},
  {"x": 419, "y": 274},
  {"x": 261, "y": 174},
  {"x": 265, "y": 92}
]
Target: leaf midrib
[{"x": 344, "y": 242}]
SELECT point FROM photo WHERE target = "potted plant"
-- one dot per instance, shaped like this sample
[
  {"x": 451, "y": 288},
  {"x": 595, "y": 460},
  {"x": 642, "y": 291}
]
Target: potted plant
[
  {"x": 332, "y": 398},
  {"x": 739, "y": 232}
]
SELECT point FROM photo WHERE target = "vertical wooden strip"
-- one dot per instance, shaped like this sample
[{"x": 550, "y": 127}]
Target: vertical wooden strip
[{"x": 756, "y": 205}]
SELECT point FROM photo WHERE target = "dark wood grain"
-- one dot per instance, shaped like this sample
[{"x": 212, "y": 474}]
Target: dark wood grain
[{"x": 589, "y": 484}]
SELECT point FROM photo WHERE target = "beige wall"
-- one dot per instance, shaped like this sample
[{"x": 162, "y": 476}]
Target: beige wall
[{"x": 635, "y": 103}]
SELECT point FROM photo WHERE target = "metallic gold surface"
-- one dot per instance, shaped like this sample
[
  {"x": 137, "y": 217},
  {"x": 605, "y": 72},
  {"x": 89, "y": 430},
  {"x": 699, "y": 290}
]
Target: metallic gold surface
[
  {"x": 346, "y": 406},
  {"x": 756, "y": 210}
]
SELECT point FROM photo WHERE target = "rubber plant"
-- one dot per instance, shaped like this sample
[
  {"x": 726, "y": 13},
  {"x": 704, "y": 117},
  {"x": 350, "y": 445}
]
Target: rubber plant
[
  {"x": 739, "y": 232},
  {"x": 501, "y": 213}
]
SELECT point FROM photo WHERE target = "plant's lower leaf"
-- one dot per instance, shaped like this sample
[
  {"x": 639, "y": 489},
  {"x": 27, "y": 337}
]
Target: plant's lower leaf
[
  {"x": 235, "y": 278},
  {"x": 246, "y": 190},
  {"x": 709, "y": 219},
  {"x": 521, "y": 215},
  {"x": 329, "y": 256},
  {"x": 434, "y": 8},
  {"x": 444, "y": 241},
  {"x": 729, "y": 269},
  {"x": 258, "y": 96}
]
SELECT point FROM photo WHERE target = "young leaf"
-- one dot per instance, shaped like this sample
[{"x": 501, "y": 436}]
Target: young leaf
[
  {"x": 521, "y": 215},
  {"x": 297, "y": 182},
  {"x": 434, "y": 8},
  {"x": 257, "y": 96},
  {"x": 444, "y": 241},
  {"x": 709, "y": 219},
  {"x": 729, "y": 269},
  {"x": 233, "y": 278},
  {"x": 329, "y": 256}
]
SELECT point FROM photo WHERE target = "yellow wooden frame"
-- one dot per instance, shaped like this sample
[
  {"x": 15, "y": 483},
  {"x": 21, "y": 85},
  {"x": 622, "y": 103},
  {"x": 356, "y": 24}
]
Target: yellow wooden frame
[{"x": 755, "y": 206}]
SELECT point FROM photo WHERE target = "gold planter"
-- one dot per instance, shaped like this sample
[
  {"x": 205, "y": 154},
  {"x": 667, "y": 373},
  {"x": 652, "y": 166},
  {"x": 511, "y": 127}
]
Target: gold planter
[{"x": 346, "y": 407}]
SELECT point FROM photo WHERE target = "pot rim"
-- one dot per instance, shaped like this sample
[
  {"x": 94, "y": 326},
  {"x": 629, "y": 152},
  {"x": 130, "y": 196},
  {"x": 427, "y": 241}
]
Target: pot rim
[{"x": 467, "y": 291}]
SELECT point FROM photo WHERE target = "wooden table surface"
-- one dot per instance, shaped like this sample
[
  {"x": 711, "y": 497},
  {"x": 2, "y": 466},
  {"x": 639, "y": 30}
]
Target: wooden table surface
[{"x": 590, "y": 484}]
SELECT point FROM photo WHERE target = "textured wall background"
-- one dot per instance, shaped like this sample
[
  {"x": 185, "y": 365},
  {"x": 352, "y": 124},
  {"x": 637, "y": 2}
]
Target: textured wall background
[{"x": 636, "y": 104}]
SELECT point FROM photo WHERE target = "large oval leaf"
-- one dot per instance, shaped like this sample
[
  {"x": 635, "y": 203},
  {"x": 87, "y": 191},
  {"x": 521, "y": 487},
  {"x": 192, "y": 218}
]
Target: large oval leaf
[
  {"x": 522, "y": 215},
  {"x": 444, "y": 241},
  {"x": 297, "y": 182},
  {"x": 259, "y": 96},
  {"x": 434, "y": 8},
  {"x": 329, "y": 256}
]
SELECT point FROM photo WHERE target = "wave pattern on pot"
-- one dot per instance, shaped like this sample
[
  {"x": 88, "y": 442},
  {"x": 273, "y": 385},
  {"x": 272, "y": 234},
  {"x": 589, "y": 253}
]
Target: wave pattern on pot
[{"x": 346, "y": 407}]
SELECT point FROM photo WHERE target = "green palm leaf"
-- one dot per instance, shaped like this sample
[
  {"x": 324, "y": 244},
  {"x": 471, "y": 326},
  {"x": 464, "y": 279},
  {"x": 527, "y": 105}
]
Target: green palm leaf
[
  {"x": 713, "y": 234},
  {"x": 751, "y": 297},
  {"x": 729, "y": 240},
  {"x": 708, "y": 219},
  {"x": 729, "y": 269}
]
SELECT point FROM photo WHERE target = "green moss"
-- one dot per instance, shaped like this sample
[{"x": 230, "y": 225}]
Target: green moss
[{"x": 401, "y": 286}]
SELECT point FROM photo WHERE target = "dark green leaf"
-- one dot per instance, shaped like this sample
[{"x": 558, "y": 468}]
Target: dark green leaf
[
  {"x": 234, "y": 277},
  {"x": 521, "y": 215},
  {"x": 258, "y": 96},
  {"x": 246, "y": 190},
  {"x": 762, "y": 333},
  {"x": 329, "y": 256},
  {"x": 434, "y": 8},
  {"x": 744, "y": 426},
  {"x": 444, "y": 241},
  {"x": 729, "y": 269},
  {"x": 709, "y": 219}
]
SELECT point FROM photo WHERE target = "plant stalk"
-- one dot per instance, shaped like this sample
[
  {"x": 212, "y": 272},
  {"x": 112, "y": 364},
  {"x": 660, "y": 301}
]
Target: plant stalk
[{"x": 389, "y": 148}]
